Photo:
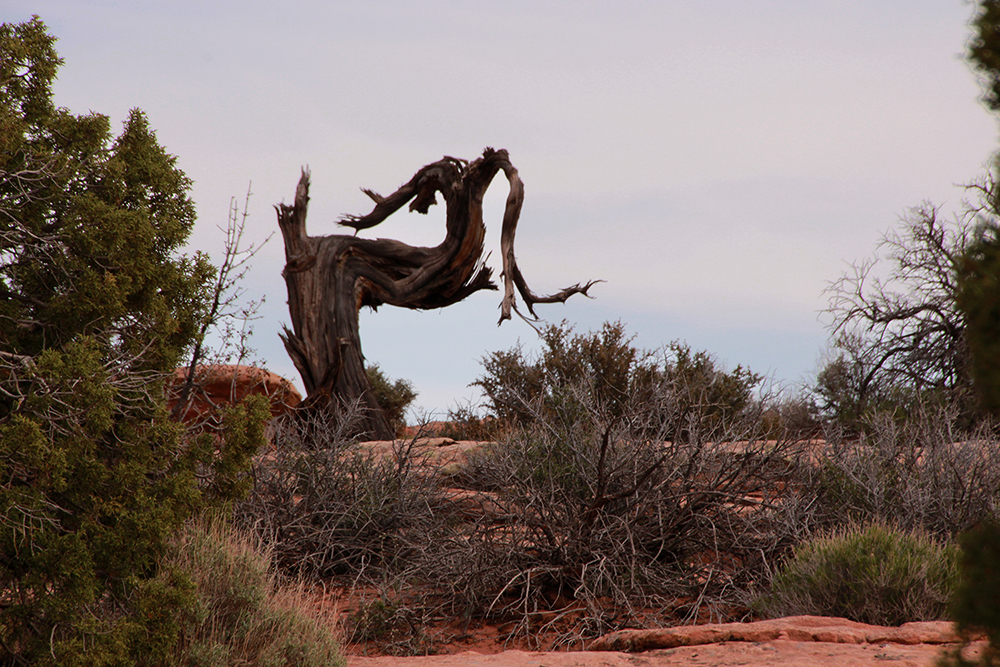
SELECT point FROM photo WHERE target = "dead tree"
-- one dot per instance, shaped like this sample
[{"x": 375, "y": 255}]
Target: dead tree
[{"x": 330, "y": 278}]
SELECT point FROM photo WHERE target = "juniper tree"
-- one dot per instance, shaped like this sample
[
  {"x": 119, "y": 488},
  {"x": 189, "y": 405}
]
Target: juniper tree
[{"x": 97, "y": 306}]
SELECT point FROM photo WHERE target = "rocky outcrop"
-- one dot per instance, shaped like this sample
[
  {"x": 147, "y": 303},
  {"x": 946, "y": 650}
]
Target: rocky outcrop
[
  {"x": 218, "y": 385},
  {"x": 794, "y": 628},
  {"x": 800, "y": 641},
  {"x": 446, "y": 456}
]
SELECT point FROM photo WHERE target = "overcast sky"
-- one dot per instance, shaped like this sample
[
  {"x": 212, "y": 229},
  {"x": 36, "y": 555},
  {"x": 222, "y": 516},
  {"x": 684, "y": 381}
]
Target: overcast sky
[{"x": 717, "y": 163}]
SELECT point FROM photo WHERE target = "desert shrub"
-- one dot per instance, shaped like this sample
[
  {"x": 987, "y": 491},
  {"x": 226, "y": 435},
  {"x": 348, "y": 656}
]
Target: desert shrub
[
  {"x": 794, "y": 415},
  {"x": 392, "y": 622},
  {"x": 464, "y": 422},
  {"x": 871, "y": 574},
  {"x": 242, "y": 614},
  {"x": 586, "y": 506},
  {"x": 372, "y": 620},
  {"x": 617, "y": 375},
  {"x": 328, "y": 507},
  {"x": 582, "y": 506},
  {"x": 592, "y": 511},
  {"x": 624, "y": 480},
  {"x": 923, "y": 473},
  {"x": 393, "y": 397}
]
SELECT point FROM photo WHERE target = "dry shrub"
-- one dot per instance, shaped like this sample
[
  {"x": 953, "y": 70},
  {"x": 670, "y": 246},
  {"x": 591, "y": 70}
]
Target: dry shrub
[
  {"x": 921, "y": 473},
  {"x": 464, "y": 422},
  {"x": 596, "y": 517},
  {"x": 392, "y": 623},
  {"x": 585, "y": 515},
  {"x": 585, "y": 518},
  {"x": 353, "y": 516},
  {"x": 243, "y": 614},
  {"x": 329, "y": 508}
]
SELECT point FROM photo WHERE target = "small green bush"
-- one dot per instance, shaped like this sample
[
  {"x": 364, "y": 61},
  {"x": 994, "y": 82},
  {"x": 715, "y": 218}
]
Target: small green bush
[
  {"x": 393, "y": 397},
  {"x": 873, "y": 574},
  {"x": 371, "y": 620},
  {"x": 683, "y": 395},
  {"x": 242, "y": 615}
]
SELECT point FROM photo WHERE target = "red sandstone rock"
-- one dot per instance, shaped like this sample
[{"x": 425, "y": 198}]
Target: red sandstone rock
[
  {"x": 746, "y": 654},
  {"x": 445, "y": 454},
  {"x": 219, "y": 385},
  {"x": 794, "y": 628},
  {"x": 802, "y": 641}
]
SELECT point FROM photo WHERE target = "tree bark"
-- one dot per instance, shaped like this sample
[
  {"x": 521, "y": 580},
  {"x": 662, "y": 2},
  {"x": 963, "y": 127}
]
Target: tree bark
[{"x": 330, "y": 278}]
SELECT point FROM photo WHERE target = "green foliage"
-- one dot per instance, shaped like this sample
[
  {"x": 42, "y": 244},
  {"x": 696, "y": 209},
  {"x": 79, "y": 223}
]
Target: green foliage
[
  {"x": 241, "y": 614},
  {"x": 874, "y": 574},
  {"x": 976, "y": 606},
  {"x": 617, "y": 376},
  {"x": 838, "y": 389},
  {"x": 372, "y": 620},
  {"x": 979, "y": 271},
  {"x": 465, "y": 423},
  {"x": 979, "y": 301},
  {"x": 984, "y": 50},
  {"x": 977, "y": 603},
  {"x": 91, "y": 223},
  {"x": 243, "y": 434},
  {"x": 792, "y": 415},
  {"x": 606, "y": 360},
  {"x": 393, "y": 397},
  {"x": 96, "y": 309},
  {"x": 708, "y": 397}
]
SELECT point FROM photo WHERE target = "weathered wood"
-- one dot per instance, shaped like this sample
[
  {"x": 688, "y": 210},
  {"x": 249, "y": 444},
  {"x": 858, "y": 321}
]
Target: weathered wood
[{"x": 329, "y": 278}]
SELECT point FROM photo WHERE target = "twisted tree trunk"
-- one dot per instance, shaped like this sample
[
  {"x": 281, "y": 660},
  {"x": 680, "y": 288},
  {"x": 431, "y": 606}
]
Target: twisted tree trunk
[{"x": 329, "y": 278}]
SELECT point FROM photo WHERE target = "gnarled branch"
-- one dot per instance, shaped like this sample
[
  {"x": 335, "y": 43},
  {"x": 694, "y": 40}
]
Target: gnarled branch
[{"x": 329, "y": 278}]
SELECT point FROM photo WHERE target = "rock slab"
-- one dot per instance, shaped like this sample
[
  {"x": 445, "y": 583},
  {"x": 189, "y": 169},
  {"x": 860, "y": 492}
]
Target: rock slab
[
  {"x": 794, "y": 628},
  {"x": 803, "y": 641}
]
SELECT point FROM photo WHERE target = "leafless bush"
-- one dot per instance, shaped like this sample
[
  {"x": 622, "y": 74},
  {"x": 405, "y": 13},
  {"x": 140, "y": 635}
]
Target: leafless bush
[
  {"x": 584, "y": 521},
  {"x": 577, "y": 524},
  {"x": 330, "y": 508},
  {"x": 227, "y": 314},
  {"x": 924, "y": 473}
]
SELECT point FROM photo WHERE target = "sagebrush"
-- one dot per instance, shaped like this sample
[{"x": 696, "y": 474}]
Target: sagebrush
[
  {"x": 242, "y": 613},
  {"x": 874, "y": 574}
]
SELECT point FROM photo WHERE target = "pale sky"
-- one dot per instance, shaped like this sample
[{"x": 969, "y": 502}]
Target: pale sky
[{"x": 717, "y": 163}]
